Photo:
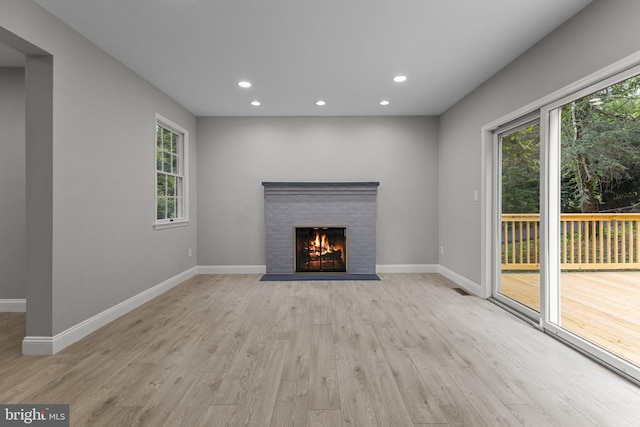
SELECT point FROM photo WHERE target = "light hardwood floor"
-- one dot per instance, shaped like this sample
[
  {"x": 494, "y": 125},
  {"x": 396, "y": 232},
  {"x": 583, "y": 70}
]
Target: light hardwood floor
[{"x": 405, "y": 351}]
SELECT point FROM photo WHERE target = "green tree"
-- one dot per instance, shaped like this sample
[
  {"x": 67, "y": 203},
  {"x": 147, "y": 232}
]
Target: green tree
[
  {"x": 521, "y": 171},
  {"x": 600, "y": 137}
]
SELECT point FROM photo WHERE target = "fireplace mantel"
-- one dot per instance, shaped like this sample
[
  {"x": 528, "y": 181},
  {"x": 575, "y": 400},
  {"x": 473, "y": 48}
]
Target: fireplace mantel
[
  {"x": 320, "y": 187},
  {"x": 309, "y": 204}
]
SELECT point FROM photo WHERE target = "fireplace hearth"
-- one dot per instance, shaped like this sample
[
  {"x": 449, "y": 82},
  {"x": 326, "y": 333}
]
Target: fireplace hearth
[{"x": 321, "y": 249}]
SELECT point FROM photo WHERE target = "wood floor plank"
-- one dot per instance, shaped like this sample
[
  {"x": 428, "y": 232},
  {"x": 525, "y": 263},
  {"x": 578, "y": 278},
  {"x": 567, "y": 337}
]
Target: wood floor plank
[
  {"x": 320, "y": 307},
  {"x": 593, "y": 409},
  {"x": 219, "y": 416},
  {"x": 421, "y": 404},
  {"x": 487, "y": 364},
  {"x": 188, "y": 411},
  {"x": 111, "y": 394},
  {"x": 629, "y": 411},
  {"x": 323, "y": 378},
  {"x": 388, "y": 403},
  {"x": 356, "y": 405},
  {"x": 152, "y": 376},
  {"x": 451, "y": 400},
  {"x": 410, "y": 336},
  {"x": 291, "y": 405},
  {"x": 163, "y": 401},
  {"x": 296, "y": 365},
  {"x": 113, "y": 416},
  {"x": 323, "y": 418},
  {"x": 262, "y": 392},
  {"x": 551, "y": 401},
  {"x": 532, "y": 415},
  {"x": 481, "y": 397},
  {"x": 24, "y": 375},
  {"x": 259, "y": 400},
  {"x": 224, "y": 350},
  {"x": 245, "y": 370}
]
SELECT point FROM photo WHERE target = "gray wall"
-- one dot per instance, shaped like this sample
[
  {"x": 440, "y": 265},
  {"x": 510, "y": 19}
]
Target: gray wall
[
  {"x": 104, "y": 248},
  {"x": 12, "y": 185},
  {"x": 236, "y": 154},
  {"x": 604, "y": 32}
]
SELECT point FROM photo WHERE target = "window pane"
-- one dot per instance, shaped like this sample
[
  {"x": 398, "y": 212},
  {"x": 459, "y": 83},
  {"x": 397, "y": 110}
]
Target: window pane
[
  {"x": 600, "y": 218},
  {"x": 162, "y": 184},
  {"x": 179, "y": 207},
  {"x": 158, "y": 137},
  {"x": 174, "y": 164},
  {"x": 167, "y": 141},
  {"x": 171, "y": 208},
  {"x": 166, "y": 166},
  {"x": 174, "y": 145},
  {"x": 520, "y": 221},
  {"x": 171, "y": 186},
  {"x": 161, "y": 208},
  {"x": 178, "y": 186}
]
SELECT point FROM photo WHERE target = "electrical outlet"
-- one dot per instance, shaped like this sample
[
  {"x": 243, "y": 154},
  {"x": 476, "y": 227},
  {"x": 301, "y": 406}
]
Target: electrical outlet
[
  {"x": 190, "y": 253},
  {"x": 441, "y": 250}
]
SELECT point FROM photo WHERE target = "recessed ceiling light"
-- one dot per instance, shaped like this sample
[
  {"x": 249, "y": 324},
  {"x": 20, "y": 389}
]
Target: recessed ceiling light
[
  {"x": 255, "y": 103},
  {"x": 320, "y": 103},
  {"x": 384, "y": 102},
  {"x": 399, "y": 79},
  {"x": 244, "y": 84}
]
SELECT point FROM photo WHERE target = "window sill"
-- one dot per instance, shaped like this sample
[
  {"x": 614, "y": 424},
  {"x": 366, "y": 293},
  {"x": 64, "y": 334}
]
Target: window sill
[{"x": 171, "y": 224}]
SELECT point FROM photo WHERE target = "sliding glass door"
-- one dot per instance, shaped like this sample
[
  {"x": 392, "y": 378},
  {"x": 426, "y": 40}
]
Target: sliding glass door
[
  {"x": 565, "y": 203},
  {"x": 518, "y": 222}
]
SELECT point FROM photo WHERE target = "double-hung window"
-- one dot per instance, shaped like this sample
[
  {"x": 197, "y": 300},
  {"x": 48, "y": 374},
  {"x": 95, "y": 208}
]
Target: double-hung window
[{"x": 171, "y": 174}]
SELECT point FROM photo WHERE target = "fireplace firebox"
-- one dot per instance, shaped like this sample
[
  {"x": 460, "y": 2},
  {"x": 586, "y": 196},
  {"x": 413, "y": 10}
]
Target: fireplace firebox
[{"x": 321, "y": 249}]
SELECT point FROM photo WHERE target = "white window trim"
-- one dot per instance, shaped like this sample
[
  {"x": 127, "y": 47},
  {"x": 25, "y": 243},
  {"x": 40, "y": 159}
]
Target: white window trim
[{"x": 184, "y": 220}]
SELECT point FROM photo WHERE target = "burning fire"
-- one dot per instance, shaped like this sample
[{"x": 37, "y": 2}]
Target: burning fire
[
  {"x": 320, "y": 249},
  {"x": 321, "y": 244}
]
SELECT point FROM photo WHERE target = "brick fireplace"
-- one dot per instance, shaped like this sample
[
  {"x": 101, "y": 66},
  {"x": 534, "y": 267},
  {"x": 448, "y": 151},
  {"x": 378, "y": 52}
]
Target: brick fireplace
[{"x": 291, "y": 206}]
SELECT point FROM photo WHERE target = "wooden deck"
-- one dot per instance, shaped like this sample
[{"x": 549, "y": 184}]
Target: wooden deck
[{"x": 602, "y": 307}]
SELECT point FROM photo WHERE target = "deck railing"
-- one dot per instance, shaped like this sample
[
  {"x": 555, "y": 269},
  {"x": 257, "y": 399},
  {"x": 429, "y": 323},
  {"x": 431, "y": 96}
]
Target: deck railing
[{"x": 587, "y": 241}]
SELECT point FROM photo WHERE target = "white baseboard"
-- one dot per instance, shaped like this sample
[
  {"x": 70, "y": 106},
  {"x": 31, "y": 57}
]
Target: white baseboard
[
  {"x": 462, "y": 281},
  {"x": 380, "y": 268},
  {"x": 232, "y": 269},
  {"x": 406, "y": 268},
  {"x": 13, "y": 305},
  {"x": 34, "y": 345},
  {"x": 262, "y": 269}
]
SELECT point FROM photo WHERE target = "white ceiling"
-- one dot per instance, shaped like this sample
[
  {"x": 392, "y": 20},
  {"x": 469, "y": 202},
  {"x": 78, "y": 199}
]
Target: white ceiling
[{"x": 298, "y": 51}]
